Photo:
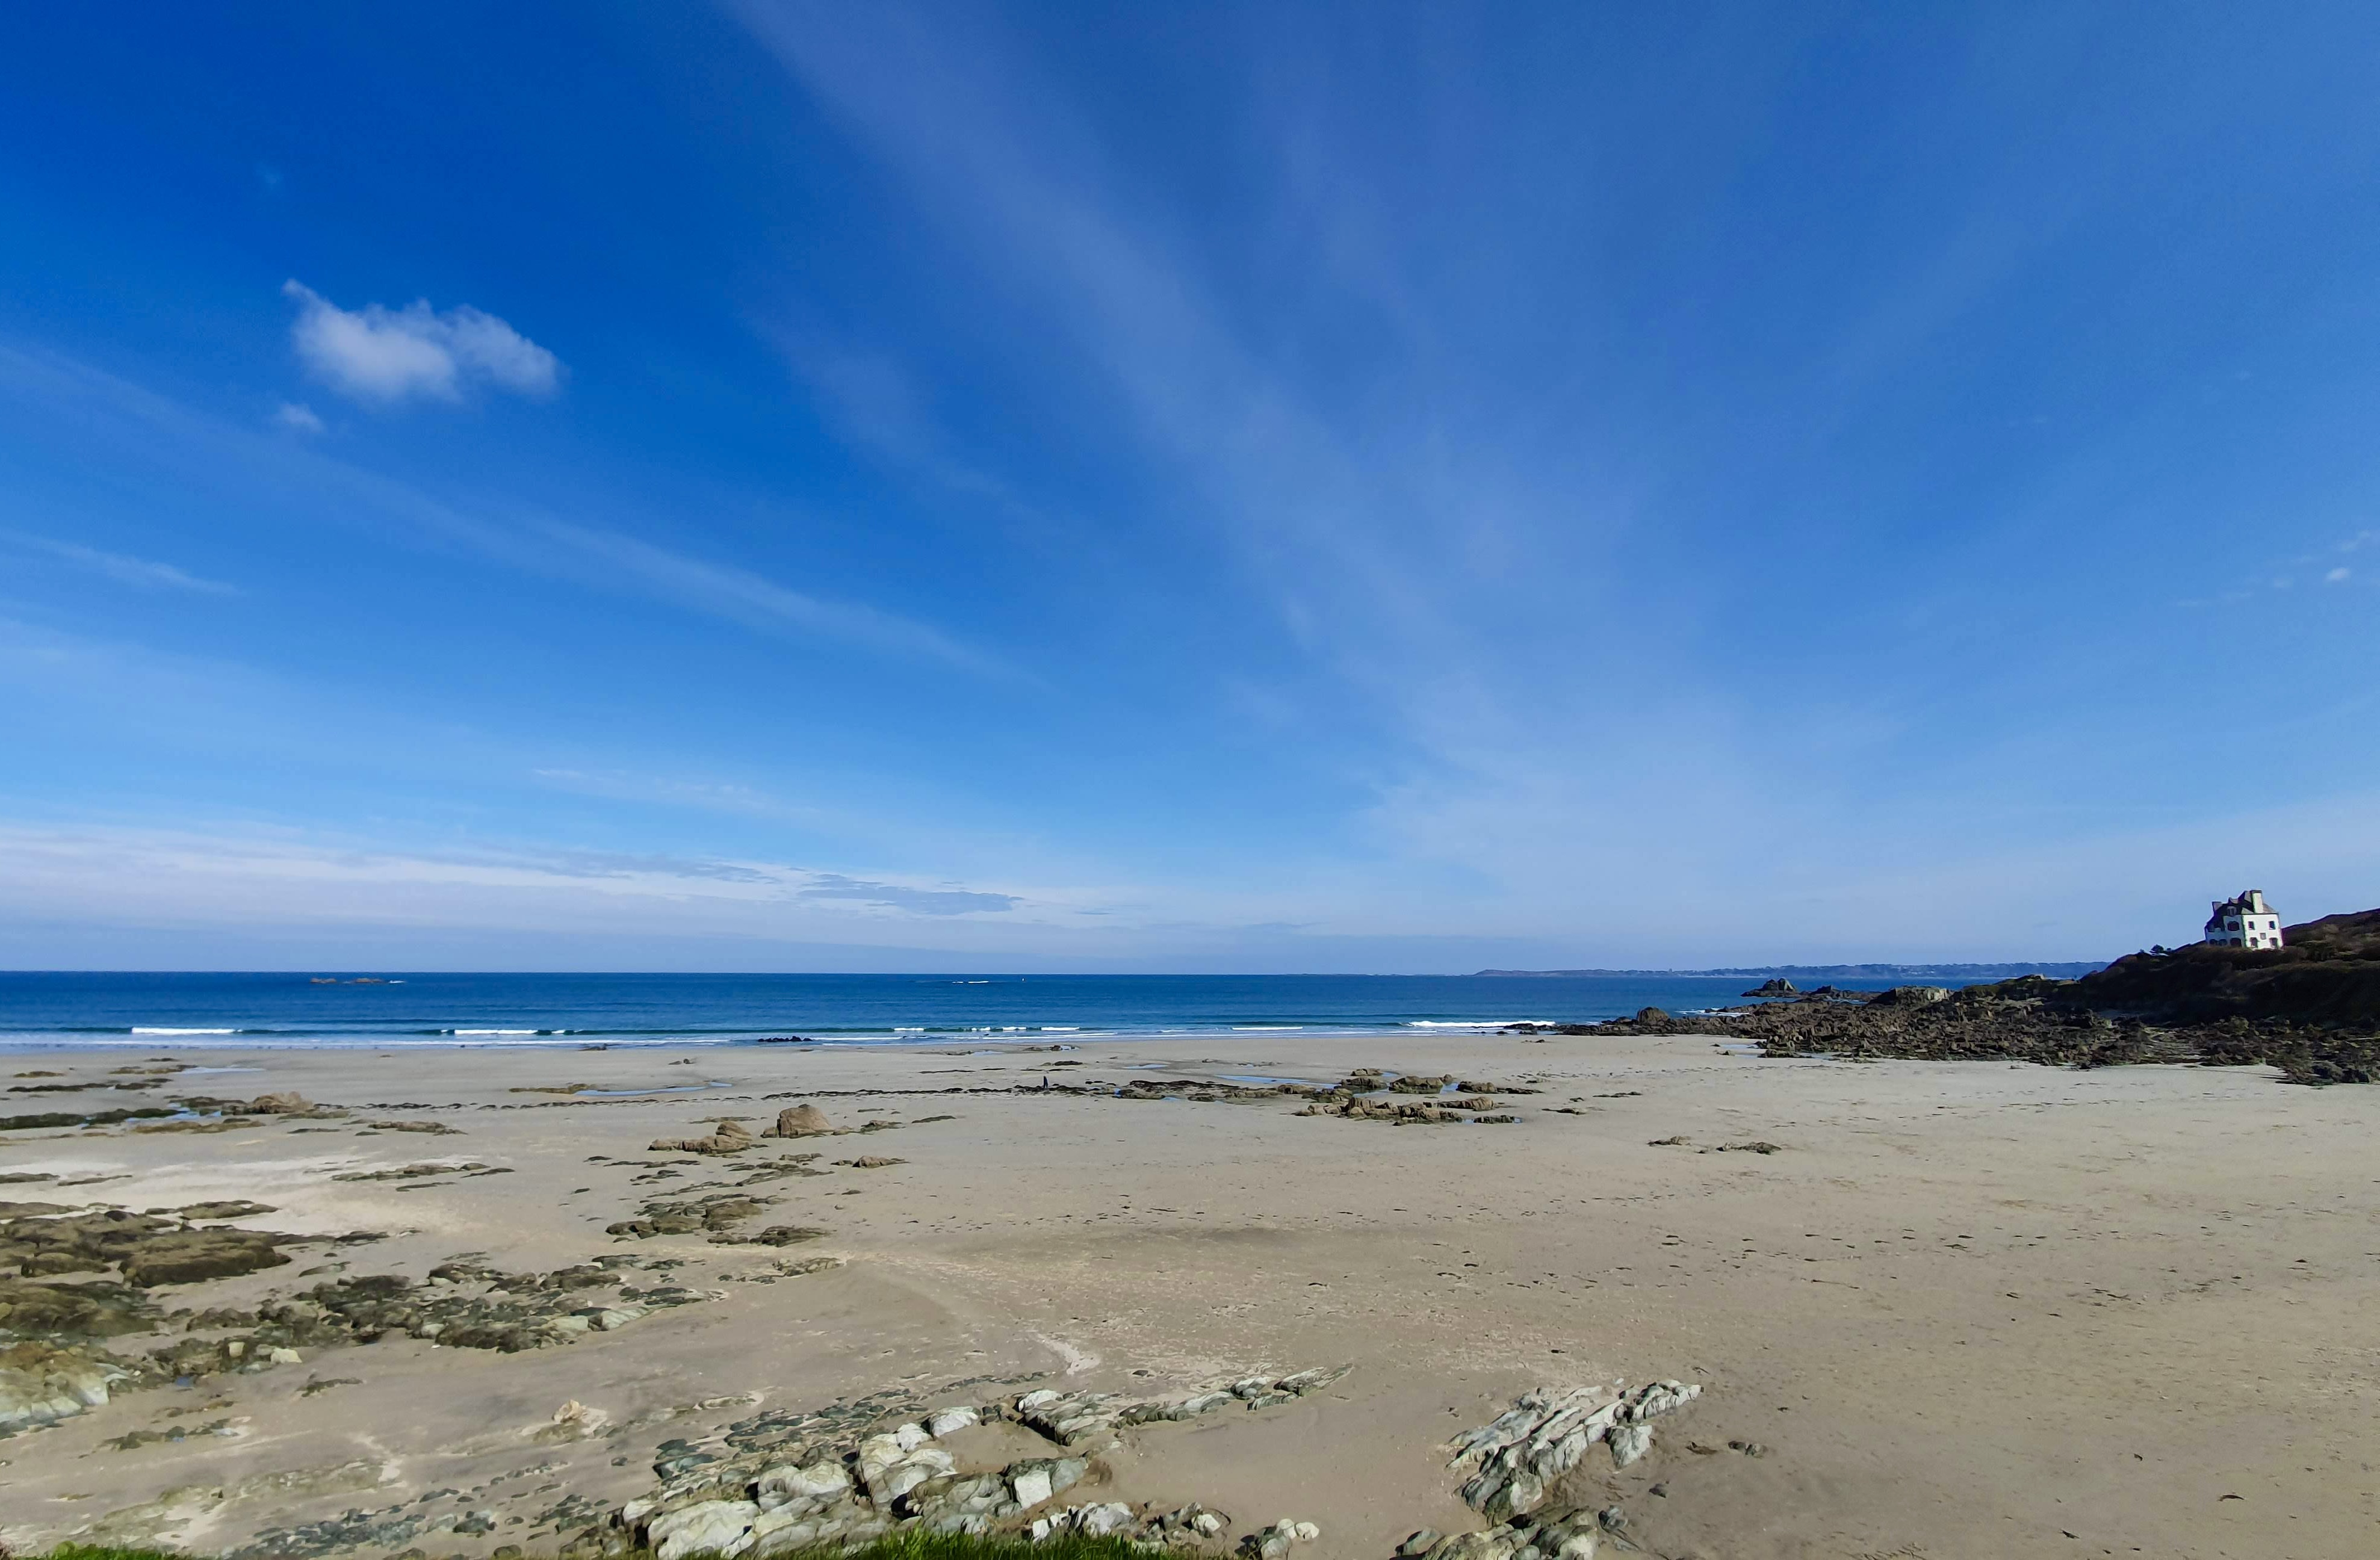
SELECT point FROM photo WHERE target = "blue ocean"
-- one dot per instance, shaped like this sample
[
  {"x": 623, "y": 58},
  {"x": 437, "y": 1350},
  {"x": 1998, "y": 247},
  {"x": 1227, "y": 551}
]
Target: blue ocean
[{"x": 423, "y": 1009}]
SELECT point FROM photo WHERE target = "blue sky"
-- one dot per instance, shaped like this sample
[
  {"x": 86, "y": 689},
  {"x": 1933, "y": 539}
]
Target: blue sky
[{"x": 1352, "y": 488}]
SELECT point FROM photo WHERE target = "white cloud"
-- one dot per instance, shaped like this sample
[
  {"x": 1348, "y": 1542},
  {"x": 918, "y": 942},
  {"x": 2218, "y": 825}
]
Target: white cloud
[
  {"x": 124, "y": 570},
  {"x": 388, "y": 356},
  {"x": 2336, "y": 577},
  {"x": 297, "y": 418}
]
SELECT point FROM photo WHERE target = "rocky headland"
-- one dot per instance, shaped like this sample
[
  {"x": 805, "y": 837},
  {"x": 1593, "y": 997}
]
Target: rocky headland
[{"x": 2310, "y": 1009}]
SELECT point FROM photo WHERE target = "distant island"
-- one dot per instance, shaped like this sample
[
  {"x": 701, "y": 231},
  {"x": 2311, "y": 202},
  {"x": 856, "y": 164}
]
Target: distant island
[{"x": 1843, "y": 972}]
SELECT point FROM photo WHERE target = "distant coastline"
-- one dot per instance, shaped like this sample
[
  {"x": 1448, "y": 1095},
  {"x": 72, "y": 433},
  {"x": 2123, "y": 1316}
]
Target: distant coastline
[{"x": 2069, "y": 971}]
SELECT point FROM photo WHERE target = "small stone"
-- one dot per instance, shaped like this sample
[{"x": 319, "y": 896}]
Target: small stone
[
  {"x": 818, "y": 1479},
  {"x": 1030, "y": 1487},
  {"x": 1102, "y": 1522},
  {"x": 948, "y": 1421},
  {"x": 1419, "y": 1543},
  {"x": 1628, "y": 1442},
  {"x": 285, "y": 1356},
  {"x": 1304, "y": 1532}
]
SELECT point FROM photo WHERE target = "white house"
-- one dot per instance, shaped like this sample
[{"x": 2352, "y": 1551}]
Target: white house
[{"x": 2244, "y": 922}]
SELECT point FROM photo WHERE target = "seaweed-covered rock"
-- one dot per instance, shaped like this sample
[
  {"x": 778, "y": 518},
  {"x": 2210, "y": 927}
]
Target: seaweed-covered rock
[
  {"x": 85, "y": 1310},
  {"x": 148, "y": 1248},
  {"x": 40, "y": 1383}
]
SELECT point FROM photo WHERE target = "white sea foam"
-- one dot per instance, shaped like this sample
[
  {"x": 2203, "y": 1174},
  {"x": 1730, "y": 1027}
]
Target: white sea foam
[
  {"x": 1468, "y": 1024},
  {"x": 138, "y": 1029},
  {"x": 495, "y": 1031}
]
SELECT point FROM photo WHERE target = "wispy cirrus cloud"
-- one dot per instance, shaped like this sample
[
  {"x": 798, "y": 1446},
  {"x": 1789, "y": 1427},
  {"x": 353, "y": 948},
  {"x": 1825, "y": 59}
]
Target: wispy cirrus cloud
[
  {"x": 602, "y": 557},
  {"x": 724, "y": 590},
  {"x": 385, "y": 357},
  {"x": 139, "y": 573},
  {"x": 916, "y": 902},
  {"x": 232, "y": 872}
]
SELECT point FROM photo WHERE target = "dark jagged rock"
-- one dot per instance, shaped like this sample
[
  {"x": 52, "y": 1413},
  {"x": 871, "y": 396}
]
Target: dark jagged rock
[
  {"x": 2310, "y": 1009},
  {"x": 2327, "y": 971}
]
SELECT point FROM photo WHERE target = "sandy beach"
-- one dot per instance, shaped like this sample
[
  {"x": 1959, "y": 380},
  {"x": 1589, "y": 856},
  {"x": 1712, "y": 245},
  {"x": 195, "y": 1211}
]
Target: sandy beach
[{"x": 1938, "y": 1309}]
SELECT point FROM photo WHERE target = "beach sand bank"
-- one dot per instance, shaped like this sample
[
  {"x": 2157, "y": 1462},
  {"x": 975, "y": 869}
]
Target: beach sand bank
[{"x": 1959, "y": 1310}]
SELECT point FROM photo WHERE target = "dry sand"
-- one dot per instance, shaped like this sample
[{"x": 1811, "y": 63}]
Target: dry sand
[{"x": 1965, "y": 1310}]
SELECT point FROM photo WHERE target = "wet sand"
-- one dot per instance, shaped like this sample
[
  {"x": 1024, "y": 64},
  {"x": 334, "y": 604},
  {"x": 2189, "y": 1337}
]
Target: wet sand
[{"x": 1962, "y": 1310}]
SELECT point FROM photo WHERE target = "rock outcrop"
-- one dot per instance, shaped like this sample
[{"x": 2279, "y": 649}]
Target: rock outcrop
[
  {"x": 728, "y": 1137},
  {"x": 1544, "y": 1436},
  {"x": 2310, "y": 1009},
  {"x": 783, "y": 1482},
  {"x": 800, "y": 1121}
]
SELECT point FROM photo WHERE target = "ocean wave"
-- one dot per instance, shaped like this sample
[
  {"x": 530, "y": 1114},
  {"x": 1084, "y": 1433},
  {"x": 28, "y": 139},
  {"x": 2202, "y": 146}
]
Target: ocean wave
[
  {"x": 151, "y": 1028},
  {"x": 1468, "y": 1024}
]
